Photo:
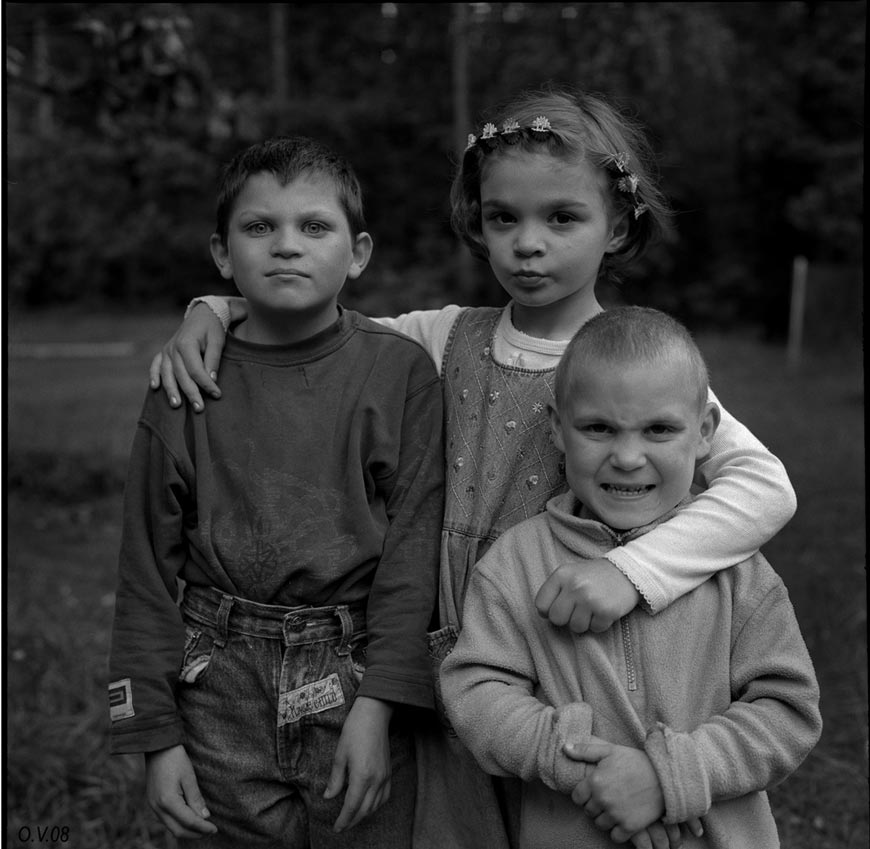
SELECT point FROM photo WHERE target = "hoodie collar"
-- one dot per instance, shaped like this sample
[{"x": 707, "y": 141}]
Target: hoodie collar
[{"x": 578, "y": 530}]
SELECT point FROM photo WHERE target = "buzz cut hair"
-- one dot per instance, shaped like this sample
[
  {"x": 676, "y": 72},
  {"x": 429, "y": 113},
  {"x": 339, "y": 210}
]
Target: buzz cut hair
[{"x": 631, "y": 336}]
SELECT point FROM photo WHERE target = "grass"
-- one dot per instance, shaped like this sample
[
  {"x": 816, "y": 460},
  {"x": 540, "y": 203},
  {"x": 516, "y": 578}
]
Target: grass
[
  {"x": 69, "y": 428},
  {"x": 68, "y": 432},
  {"x": 813, "y": 419}
]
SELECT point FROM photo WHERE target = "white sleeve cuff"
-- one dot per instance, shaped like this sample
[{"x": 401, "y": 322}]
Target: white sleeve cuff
[
  {"x": 652, "y": 598},
  {"x": 216, "y": 304}
]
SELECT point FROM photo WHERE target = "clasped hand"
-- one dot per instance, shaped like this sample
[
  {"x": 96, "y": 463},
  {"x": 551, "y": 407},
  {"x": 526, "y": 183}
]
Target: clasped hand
[{"x": 622, "y": 795}]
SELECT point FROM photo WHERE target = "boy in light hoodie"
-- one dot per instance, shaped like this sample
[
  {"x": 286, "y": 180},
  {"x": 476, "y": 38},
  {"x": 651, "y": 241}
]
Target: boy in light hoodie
[{"x": 690, "y": 713}]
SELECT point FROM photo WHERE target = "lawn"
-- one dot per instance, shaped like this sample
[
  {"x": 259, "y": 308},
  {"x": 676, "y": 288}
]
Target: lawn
[{"x": 69, "y": 426}]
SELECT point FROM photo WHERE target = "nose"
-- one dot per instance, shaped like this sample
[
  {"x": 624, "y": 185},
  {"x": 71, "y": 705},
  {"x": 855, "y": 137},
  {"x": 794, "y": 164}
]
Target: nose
[
  {"x": 529, "y": 240},
  {"x": 286, "y": 241},
  {"x": 627, "y": 453}
]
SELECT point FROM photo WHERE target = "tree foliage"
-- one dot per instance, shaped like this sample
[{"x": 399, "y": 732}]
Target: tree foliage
[{"x": 119, "y": 115}]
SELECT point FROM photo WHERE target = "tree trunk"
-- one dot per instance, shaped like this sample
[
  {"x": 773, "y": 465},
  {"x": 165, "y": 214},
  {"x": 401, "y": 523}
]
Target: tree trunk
[
  {"x": 461, "y": 119},
  {"x": 278, "y": 39},
  {"x": 45, "y": 105}
]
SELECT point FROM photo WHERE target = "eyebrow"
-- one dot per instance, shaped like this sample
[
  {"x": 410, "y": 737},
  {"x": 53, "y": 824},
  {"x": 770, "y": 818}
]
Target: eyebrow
[
  {"x": 558, "y": 203},
  {"x": 312, "y": 212}
]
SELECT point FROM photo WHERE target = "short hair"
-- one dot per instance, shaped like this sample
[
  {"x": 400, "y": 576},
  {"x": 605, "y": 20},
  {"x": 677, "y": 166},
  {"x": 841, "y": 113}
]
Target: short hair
[
  {"x": 582, "y": 126},
  {"x": 628, "y": 336},
  {"x": 288, "y": 157}
]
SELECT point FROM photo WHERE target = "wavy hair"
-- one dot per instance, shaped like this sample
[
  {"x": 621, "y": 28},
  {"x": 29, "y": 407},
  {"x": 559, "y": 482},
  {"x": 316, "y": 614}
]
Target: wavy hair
[{"x": 583, "y": 127}]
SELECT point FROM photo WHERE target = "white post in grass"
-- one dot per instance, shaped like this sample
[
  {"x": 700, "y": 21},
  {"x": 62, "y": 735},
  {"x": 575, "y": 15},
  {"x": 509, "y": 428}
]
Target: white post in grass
[{"x": 798, "y": 307}]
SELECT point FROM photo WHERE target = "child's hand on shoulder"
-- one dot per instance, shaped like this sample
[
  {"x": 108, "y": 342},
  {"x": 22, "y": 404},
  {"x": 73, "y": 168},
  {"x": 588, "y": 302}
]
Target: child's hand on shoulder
[
  {"x": 173, "y": 793},
  {"x": 586, "y": 596},
  {"x": 363, "y": 757},
  {"x": 189, "y": 361}
]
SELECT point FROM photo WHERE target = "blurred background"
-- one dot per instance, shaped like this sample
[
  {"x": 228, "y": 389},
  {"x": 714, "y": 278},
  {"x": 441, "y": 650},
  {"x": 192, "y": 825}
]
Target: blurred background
[{"x": 117, "y": 118}]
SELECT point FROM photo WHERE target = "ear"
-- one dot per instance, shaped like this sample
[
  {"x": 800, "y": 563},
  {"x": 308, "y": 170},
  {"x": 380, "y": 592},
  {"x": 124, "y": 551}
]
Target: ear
[
  {"x": 710, "y": 419},
  {"x": 221, "y": 256},
  {"x": 618, "y": 234},
  {"x": 362, "y": 252},
  {"x": 556, "y": 428}
]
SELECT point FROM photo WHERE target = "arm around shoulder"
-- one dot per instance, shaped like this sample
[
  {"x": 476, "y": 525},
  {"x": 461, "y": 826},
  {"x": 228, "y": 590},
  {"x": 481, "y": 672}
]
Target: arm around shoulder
[
  {"x": 189, "y": 361},
  {"x": 748, "y": 499},
  {"x": 762, "y": 477}
]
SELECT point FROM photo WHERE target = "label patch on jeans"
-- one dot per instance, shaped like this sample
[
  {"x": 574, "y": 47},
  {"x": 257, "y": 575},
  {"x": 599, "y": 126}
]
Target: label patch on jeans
[
  {"x": 315, "y": 697},
  {"x": 121, "y": 699}
]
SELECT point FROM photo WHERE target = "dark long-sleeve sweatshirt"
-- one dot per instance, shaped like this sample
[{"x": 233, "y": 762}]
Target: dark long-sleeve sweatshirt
[{"x": 317, "y": 479}]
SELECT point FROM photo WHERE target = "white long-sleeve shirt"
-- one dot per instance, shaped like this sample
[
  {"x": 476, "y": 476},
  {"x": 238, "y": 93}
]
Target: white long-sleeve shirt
[{"x": 743, "y": 493}]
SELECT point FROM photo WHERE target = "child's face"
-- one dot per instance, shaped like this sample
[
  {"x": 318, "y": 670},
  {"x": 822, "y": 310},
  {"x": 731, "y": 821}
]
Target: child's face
[
  {"x": 289, "y": 250},
  {"x": 631, "y": 436},
  {"x": 547, "y": 226}
]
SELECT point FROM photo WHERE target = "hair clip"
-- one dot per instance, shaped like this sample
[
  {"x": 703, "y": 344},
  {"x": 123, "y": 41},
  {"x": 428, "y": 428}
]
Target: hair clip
[
  {"x": 541, "y": 125},
  {"x": 619, "y": 161},
  {"x": 628, "y": 182}
]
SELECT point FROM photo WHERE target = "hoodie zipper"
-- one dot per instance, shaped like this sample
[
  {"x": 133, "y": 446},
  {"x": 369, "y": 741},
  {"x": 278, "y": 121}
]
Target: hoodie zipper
[
  {"x": 630, "y": 670},
  {"x": 627, "y": 646}
]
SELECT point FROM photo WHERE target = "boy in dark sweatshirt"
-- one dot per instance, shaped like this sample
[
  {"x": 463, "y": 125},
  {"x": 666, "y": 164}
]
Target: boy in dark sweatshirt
[{"x": 302, "y": 515}]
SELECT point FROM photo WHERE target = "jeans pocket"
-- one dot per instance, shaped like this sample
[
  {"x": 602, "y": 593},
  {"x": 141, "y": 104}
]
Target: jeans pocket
[
  {"x": 350, "y": 656},
  {"x": 198, "y": 650},
  {"x": 358, "y": 661}
]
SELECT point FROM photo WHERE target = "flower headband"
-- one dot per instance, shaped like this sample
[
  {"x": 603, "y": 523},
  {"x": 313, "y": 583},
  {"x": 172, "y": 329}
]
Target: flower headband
[
  {"x": 510, "y": 131},
  {"x": 490, "y": 137}
]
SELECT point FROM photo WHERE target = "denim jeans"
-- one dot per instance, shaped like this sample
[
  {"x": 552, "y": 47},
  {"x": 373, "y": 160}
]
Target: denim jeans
[{"x": 264, "y": 692}]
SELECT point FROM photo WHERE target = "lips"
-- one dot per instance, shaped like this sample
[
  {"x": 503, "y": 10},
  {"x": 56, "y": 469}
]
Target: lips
[
  {"x": 528, "y": 278},
  {"x": 286, "y": 272}
]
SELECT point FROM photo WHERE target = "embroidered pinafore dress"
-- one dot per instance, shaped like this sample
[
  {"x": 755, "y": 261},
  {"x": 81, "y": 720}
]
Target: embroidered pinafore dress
[
  {"x": 502, "y": 464},
  {"x": 502, "y": 467}
]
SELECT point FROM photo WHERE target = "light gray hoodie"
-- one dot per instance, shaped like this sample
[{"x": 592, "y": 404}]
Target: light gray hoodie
[{"x": 718, "y": 688}]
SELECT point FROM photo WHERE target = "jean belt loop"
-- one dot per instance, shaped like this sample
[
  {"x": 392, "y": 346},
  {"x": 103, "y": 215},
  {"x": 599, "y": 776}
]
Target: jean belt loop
[
  {"x": 223, "y": 618},
  {"x": 343, "y": 613}
]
